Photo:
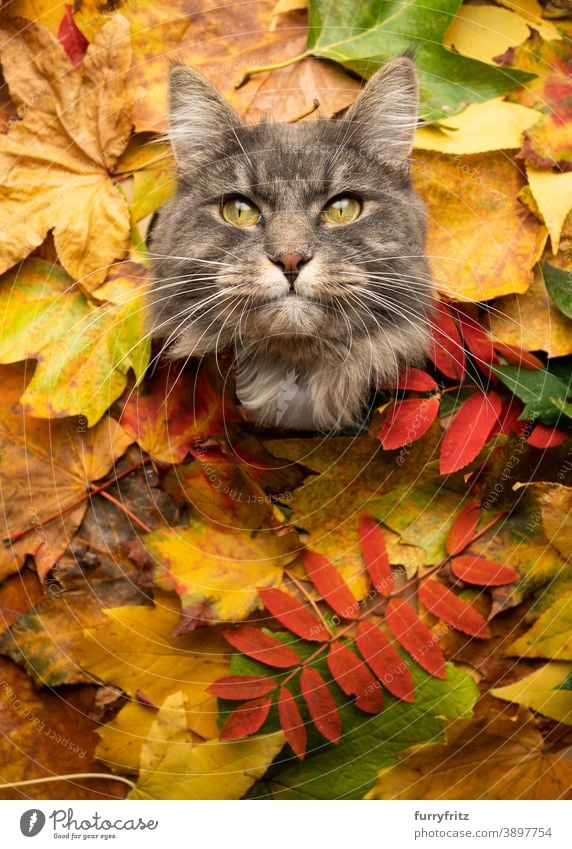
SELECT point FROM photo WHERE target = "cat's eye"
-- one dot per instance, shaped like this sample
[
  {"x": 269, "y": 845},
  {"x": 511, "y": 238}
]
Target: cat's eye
[
  {"x": 341, "y": 210},
  {"x": 240, "y": 212}
]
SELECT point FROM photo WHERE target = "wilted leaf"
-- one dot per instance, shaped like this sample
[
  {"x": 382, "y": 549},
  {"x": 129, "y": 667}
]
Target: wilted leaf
[
  {"x": 57, "y": 160},
  {"x": 541, "y": 692},
  {"x": 509, "y": 752},
  {"x": 174, "y": 767},
  {"x": 482, "y": 241}
]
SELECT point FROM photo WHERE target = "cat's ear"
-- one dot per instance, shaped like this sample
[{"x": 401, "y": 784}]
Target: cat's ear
[
  {"x": 386, "y": 110},
  {"x": 199, "y": 117}
]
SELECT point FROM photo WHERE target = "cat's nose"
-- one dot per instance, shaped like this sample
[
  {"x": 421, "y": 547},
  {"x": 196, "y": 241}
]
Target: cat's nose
[{"x": 291, "y": 265}]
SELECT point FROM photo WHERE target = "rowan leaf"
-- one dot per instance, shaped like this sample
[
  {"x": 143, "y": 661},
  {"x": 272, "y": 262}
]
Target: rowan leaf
[
  {"x": 246, "y": 719},
  {"x": 375, "y": 556},
  {"x": 262, "y": 646},
  {"x": 406, "y": 421},
  {"x": 241, "y": 687},
  {"x": 463, "y": 527},
  {"x": 292, "y": 723},
  {"x": 321, "y": 705},
  {"x": 57, "y": 160},
  {"x": 293, "y": 615},
  {"x": 330, "y": 584},
  {"x": 415, "y": 637},
  {"x": 354, "y": 678},
  {"x": 453, "y": 610},
  {"x": 483, "y": 572},
  {"x": 469, "y": 431},
  {"x": 384, "y": 660}
]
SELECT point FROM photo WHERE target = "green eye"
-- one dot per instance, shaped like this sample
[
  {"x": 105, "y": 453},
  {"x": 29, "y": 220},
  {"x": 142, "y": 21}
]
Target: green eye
[
  {"x": 240, "y": 213},
  {"x": 341, "y": 210}
]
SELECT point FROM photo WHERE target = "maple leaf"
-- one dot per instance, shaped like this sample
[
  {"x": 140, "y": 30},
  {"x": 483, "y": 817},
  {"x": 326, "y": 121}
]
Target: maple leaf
[{"x": 57, "y": 160}]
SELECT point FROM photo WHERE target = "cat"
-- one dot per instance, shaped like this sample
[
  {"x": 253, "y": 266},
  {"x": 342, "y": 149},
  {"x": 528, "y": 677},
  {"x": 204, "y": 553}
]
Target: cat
[{"x": 301, "y": 247}]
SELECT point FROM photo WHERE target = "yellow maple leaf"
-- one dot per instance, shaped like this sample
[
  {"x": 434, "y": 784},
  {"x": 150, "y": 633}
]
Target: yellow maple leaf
[{"x": 56, "y": 161}]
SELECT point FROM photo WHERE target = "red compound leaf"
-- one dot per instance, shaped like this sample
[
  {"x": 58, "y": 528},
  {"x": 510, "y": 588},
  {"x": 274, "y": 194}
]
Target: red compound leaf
[
  {"x": 384, "y": 660},
  {"x": 247, "y": 719},
  {"x": 321, "y": 704},
  {"x": 453, "y": 610},
  {"x": 330, "y": 584},
  {"x": 445, "y": 347},
  {"x": 469, "y": 431},
  {"x": 374, "y": 553},
  {"x": 292, "y": 722},
  {"x": 354, "y": 679},
  {"x": 415, "y": 637},
  {"x": 407, "y": 421},
  {"x": 293, "y": 615},
  {"x": 262, "y": 647},
  {"x": 241, "y": 687},
  {"x": 483, "y": 572},
  {"x": 463, "y": 528}
]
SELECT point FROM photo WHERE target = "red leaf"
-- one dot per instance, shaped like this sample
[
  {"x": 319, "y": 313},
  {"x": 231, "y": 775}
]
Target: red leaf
[
  {"x": 247, "y": 719},
  {"x": 241, "y": 687},
  {"x": 262, "y": 647},
  {"x": 292, "y": 722},
  {"x": 509, "y": 417},
  {"x": 292, "y": 614},
  {"x": 416, "y": 380},
  {"x": 445, "y": 347},
  {"x": 387, "y": 664},
  {"x": 354, "y": 679},
  {"x": 415, "y": 637},
  {"x": 321, "y": 704},
  {"x": 518, "y": 356},
  {"x": 330, "y": 584},
  {"x": 375, "y": 555},
  {"x": 406, "y": 421},
  {"x": 477, "y": 341},
  {"x": 463, "y": 528},
  {"x": 546, "y": 437},
  {"x": 452, "y": 609},
  {"x": 479, "y": 570},
  {"x": 71, "y": 38},
  {"x": 469, "y": 431}
]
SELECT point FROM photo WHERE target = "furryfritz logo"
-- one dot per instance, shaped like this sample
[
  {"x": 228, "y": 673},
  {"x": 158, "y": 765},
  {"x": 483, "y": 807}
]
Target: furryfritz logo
[{"x": 32, "y": 822}]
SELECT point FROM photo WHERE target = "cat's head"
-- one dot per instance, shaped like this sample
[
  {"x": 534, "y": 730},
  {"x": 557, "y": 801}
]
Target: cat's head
[{"x": 289, "y": 232}]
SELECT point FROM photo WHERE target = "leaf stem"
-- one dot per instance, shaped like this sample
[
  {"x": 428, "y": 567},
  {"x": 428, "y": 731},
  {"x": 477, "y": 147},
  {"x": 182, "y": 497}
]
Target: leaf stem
[
  {"x": 249, "y": 72},
  {"x": 69, "y": 776},
  {"x": 127, "y": 511}
]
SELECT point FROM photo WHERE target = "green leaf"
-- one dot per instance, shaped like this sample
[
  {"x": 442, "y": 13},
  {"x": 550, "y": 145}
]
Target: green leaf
[
  {"x": 559, "y": 285},
  {"x": 363, "y": 35},
  {"x": 537, "y": 389},
  {"x": 567, "y": 683},
  {"x": 563, "y": 406}
]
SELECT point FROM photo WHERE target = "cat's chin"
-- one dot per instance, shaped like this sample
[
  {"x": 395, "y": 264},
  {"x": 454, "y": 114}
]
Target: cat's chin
[{"x": 290, "y": 315}]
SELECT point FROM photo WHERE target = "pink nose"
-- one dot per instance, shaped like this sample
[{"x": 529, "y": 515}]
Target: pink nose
[{"x": 290, "y": 264}]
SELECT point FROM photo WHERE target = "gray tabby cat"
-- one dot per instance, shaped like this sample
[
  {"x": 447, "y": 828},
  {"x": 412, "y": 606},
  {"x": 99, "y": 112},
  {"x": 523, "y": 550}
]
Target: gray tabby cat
[{"x": 300, "y": 246}]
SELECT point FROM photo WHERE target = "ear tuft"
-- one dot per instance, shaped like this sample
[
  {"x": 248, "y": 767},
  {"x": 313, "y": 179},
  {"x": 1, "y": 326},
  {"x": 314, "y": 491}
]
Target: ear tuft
[
  {"x": 199, "y": 117},
  {"x": 385, "y": 112}
]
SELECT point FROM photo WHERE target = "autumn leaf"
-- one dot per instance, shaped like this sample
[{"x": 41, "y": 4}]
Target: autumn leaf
[
  {"x": 541, "y": 692},
  {"x": 406, "y": 421},
  {"x": 551, "y": 634},
  {"x": 57, "y": 160},
  {"x": 469, "y": 431}
]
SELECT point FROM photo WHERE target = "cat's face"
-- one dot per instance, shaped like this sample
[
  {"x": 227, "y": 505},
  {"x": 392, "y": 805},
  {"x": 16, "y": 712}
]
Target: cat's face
[{"x": 285, "y": 232}]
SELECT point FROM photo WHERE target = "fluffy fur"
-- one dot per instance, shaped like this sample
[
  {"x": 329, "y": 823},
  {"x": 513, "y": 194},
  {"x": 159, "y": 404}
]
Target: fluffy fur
[{"x": 305, "y": 358}]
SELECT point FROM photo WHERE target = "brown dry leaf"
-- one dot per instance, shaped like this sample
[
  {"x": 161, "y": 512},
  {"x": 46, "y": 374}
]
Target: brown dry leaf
[
  {"x": 482, "y": 241},
  {"x": 532, "y": 322},
  {"x": 222, "y": 39},
  {"x": 56, "y": 161},
  {"x": 46, "y": 467},
  {"x": 494, "y": 757}
]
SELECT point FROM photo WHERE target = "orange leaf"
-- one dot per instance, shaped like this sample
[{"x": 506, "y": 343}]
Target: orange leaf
[
  {"x": 407, "y": 421},
  {"x": 415, "y": 637},
  {"x": 452, "y": 609},
  {"x": 292, "y": 614},
  {"x": 469, "y": 431},
  {"x": 479, "y": 570},
  {"x": 375, "y": 555},
  {"x": 321, "y": 704},
  {"x": 330, "y": 584},
  {"x": 247, "y": 719},
  {"x": 292, "y": 722},
  {"x": 262, "y": 647},
  {"x": 387, "y": 664},
  {"x": 463, "y": 528},
  {"x": 354, "y": 678},
  {"x": 241, "y": 687},
  {"x": 445, "y": 347}
]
